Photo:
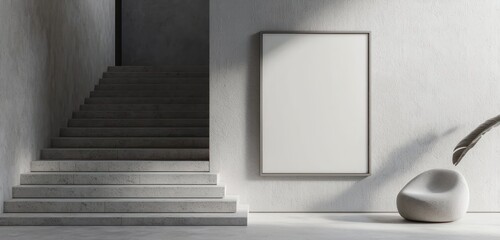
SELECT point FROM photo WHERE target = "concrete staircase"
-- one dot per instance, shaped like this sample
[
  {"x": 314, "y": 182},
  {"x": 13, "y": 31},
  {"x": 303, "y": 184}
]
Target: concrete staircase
[{"x": 135, "y": 154}]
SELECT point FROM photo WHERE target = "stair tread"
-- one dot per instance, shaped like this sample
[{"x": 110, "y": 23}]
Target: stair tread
[
  {"x": 194, "y": 200},
  {"x": 157, "y": 68},
  {"x": 139, "y": 119},
  {"x": 151, "y": 104},
  {"x": 119, "y": 191},
  {"x": 120, "y": 149},
  {"x": 125, "y": 160},
  {"x": 160, "y": 72},
  {"x": 132, "y": 138},
  {"x": 155, "y": 80},
  {"x": 147, "y": 111},
  {"x": 140, "y": 114},
  {"x": 95, "y": 100},
  {"x": 202, "y": 127},
  {"x": 165, "y": 84},
  {"x": 117, "y": 173},
  {"x": 134, "y": 132},
  {"x": 238, "y": 218},
  {"x": 123, "y": 186},
  {"x": 119, "y": 166}
]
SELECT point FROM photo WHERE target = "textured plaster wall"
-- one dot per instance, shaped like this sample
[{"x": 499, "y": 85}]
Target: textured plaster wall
[
  {"x": 165, "y": 32},
  {"x": 435, "y": 68},
  {"x": 51, "y": 55}
]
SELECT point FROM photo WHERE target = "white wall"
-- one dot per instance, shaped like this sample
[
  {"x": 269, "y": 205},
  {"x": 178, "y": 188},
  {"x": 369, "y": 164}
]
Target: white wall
[
  {"x": 435, "y": 76},
  {"x": 52, "y": 52}
]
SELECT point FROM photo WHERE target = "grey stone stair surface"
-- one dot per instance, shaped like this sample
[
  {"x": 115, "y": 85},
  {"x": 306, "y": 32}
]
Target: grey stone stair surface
[
  {"x": 121, "y": 205},
  {"x": 118, "y": 178},
  {"x": 118, "y": 191},
  {"x": 238, "y": 218},
  {"x": 138, "y": 122},
  {"x": 140, "y": 114},
  {"x": 119, "y": 166},
  {"x": 150, "y": 93},
  {"x": 125, "y": 154},
  {"x": 135, "y": 132},
  {"x": 165, "y": 87},
  {"x": 146, "y": 100},
  {"x": 180, "y": 68},
  {"x": 146, "y": 107},
  {"x": 136, "y": 153},
  {"x": 154, "y": 74},
  {"x": 127, "y": 142},
  {"x": 155, "y": 80}
]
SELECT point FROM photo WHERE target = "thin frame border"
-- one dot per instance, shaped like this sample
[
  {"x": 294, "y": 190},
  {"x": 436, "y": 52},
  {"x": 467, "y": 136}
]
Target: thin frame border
[{"x": 368, "y": 33}]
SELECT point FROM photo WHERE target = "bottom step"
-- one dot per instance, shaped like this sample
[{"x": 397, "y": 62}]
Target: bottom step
[{"x": 126, "y": 219}]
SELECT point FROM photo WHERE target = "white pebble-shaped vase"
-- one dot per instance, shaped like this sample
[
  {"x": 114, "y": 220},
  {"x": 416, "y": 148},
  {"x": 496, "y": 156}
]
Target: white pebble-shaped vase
[{"x": 437, "y": 195}]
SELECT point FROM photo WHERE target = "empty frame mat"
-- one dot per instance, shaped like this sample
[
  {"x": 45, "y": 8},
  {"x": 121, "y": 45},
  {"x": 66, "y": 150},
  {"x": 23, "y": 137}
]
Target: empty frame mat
[{"x": 315, "y": 104}]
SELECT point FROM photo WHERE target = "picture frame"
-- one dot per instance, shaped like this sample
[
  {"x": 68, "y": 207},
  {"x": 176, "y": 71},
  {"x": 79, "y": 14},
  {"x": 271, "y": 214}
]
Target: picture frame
[{"x": 279, "y": 67}]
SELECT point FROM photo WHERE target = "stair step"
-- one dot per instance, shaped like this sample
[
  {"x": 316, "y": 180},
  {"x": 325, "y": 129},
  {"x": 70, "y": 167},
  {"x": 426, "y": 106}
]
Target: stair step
[
  {"x": 150, "y": 93},
  {"x": 138, "y": 123},
  {"x": 146, "y": 107},
  {"x": 124, "y": 154},
  {"x": 135, "y": 132},
  {"x": 154, "y": 74},
  {"x": 119, "y": 166},
  {"x": 162, "y": 87},
  {"x": 118, "y": 191},
  {"x": 170, "y": 68},
  {"x": 168, "y": 80},
  {"x": 127, "y": 142},
  {"x": 140, "y": 114},
  {"x": 146, "y": 100},
  {"x": 113, "y": 205},
  {"x": 239, "y": 218},
  {"x": 117, "y": 178}
]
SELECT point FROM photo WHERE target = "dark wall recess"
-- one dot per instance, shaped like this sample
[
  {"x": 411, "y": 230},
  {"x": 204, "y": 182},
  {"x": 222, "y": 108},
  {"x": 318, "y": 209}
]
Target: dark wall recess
[
  {"x": 164, "y": 32},
  {"x": 118, "y": 32}
]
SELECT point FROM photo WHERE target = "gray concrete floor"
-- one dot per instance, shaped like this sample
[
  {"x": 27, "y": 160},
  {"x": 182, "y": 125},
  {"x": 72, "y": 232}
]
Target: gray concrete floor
[{"x": 287, "y": 226}]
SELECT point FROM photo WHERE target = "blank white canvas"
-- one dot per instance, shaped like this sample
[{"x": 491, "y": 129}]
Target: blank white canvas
[{"x": 314, "y": 103}]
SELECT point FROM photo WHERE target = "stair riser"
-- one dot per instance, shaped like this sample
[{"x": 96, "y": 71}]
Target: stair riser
[
  {"x": 186, "y": 68},
  {"x": 139, "y": 115},
  {"x": 118, "y": 192},
  {"x": 117, "y": 179},
  {"x": 144, "y": 93},
  {"x": 124, "y": 80},
  {"x": 164, "y": 87},
  {"x": 147, "y": 100},
  {"x": 154, "y": 74},
  {"x": 130, "y": 143},
  {"x": 146, "y": 107},
  {"x": 120, "y": 166},
  {"x": 134, "y": 132},
  {"x": 125, "y": 154},
  {"x": 120, "y": 207},
  {"x": 138, "y": 123}
]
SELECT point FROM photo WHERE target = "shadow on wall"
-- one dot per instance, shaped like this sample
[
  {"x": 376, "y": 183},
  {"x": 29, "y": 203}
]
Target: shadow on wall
[
  {"x": 62, "y": 36},
  {"x": 54, "y": 52},
  {"x": 401, "y": 160}
]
